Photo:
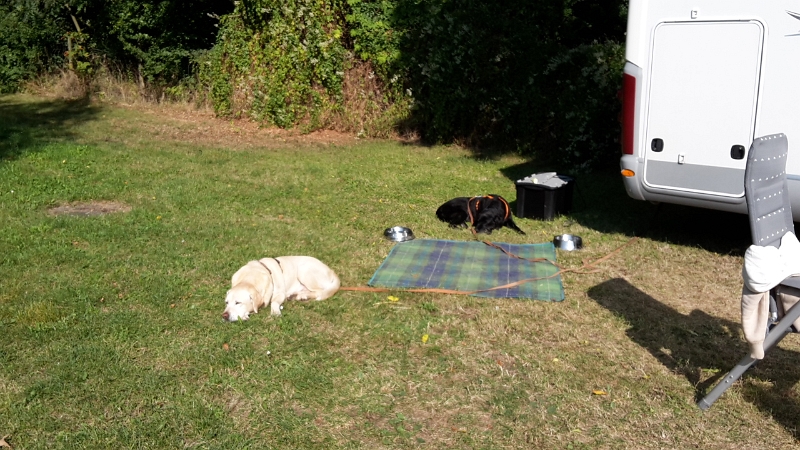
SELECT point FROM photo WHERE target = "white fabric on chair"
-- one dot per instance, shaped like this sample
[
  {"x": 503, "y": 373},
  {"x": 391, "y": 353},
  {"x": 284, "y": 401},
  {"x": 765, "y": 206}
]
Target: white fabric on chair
[{"x": 765, "y": 268}]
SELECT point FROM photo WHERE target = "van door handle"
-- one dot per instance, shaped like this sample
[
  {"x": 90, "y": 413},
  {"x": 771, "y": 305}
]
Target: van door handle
[
  {"x": 657, "y": 145},
  {"x": 737, "y": 152}
]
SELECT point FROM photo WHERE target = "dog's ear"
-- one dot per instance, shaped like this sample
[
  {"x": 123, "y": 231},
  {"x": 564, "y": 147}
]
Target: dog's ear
[{"x": 255, "y": 306}]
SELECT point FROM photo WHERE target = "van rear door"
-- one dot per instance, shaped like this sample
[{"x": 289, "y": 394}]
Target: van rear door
[{"x": 703, "y": 93}]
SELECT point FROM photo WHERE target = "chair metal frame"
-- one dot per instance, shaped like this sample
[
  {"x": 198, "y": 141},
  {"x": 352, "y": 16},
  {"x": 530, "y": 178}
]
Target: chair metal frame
[{"x": 770, "y": 214}]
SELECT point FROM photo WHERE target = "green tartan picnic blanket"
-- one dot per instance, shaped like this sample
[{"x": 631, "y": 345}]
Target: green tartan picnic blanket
[{"x": 471, "y": 266}]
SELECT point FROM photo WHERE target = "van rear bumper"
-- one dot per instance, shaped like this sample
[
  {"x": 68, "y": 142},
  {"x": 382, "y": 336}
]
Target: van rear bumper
[
  {"x": 633, "y": 185},
  {"x": 636, "y": 189}
]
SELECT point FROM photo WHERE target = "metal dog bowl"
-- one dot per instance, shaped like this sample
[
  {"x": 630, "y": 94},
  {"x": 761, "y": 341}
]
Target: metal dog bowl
[
  {"x": 568, "y": 242},
  {"x": 399, "y": 234}
]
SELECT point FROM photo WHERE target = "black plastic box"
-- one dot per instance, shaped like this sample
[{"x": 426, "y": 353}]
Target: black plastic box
[{"x": 537, "y": 201}]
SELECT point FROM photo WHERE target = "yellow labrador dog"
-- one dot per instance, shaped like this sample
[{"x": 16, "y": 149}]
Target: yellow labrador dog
[{"x": 274, "y": 280}]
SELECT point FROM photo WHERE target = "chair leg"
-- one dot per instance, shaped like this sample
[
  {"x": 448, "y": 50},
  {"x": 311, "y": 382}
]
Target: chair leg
[{"x": 775, "y": 335}]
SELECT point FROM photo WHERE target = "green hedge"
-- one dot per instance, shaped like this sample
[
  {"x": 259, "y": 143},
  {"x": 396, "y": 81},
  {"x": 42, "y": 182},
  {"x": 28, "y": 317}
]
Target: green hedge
[
  {"x": 278, "y": 61},
  {"x": 155, "y": 39},
  {"x": 534, "y": 77},
  {"x": 539, "y": 78},
  {"x": 30, "y": 41}
]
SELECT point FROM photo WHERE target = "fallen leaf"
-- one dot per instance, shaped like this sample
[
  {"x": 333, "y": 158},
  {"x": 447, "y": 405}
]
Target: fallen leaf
[
  {"x": 599, "y": 392},
  {"x": 555, "y": 359},
  {"x": 172, "y": 305},
  {"x": 3, "y": 443},
  {"x": 226, "y": 347},
  {"x": 392, "y": 298},
  {"x": 424, "y": 338}
]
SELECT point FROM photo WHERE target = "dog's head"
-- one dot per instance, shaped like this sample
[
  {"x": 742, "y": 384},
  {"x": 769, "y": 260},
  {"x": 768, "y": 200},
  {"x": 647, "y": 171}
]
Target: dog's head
[{"x": 239, "y": 303}]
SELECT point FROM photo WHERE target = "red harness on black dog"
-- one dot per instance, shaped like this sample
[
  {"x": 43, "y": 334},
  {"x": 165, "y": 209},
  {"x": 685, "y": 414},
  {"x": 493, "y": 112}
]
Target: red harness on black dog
[{"x": 478, "y": 205}]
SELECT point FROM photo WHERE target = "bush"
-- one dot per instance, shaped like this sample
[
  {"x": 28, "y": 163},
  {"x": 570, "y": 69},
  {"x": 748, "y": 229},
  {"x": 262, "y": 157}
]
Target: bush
[
  {"x": 152, "y": 40},
  {"x": 30, "y": 41},
  {"x": 155, "y": 39},
  {"x": 582, "y": 128},
  {"x": 276, "y": 61},
  {"x": 537, "y": 77}
]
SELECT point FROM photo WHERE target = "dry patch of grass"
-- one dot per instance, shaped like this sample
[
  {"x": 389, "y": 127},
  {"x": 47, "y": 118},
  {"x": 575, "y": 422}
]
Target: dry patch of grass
[
  {"x": 93, "y": 208},
  {"x": 176, "y": 123}
]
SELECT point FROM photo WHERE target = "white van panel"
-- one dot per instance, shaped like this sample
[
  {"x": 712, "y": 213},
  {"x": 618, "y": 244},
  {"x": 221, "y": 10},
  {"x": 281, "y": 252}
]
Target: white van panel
[
  {"x": 702, "y": 101},
  {"x": 774, "y": 108}
]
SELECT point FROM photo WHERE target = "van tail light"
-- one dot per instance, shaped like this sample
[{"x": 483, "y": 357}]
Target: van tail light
[{"x": 628, "y": 110}]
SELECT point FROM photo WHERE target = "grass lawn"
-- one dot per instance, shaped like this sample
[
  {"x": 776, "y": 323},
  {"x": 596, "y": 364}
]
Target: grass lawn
[{"x": 110, "y": 324}]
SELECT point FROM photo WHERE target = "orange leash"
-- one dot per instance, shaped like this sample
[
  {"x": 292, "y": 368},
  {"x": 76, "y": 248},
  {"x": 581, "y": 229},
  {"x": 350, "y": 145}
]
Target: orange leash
[
  {"x": 509, "y": 285},
  {"x": 478, "y": 205},
  {"x": 469, "y": 211},
  {"x": 534, "y": 260}
]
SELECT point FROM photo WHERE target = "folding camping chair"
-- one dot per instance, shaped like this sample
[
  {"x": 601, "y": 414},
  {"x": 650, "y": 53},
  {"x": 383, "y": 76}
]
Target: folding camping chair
[{"x": 770, "y": 214}]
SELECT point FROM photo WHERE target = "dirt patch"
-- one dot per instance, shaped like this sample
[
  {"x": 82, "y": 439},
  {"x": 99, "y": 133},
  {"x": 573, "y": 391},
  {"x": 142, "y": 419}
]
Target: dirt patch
[
  {"x": 183, "y": 123},
  {"x": 87, "y": 209}
]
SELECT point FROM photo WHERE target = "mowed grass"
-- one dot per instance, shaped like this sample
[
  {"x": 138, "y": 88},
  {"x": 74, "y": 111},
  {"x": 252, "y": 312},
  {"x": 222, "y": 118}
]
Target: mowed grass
[{"x": 110, "y": 327}]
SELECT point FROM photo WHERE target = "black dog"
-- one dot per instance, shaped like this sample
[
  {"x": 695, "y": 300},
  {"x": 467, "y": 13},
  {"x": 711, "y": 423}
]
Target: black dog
[{"x": 486, "y": 213}]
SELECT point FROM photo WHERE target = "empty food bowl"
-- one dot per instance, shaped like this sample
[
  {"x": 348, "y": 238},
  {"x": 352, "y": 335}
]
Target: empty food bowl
[
  {"x": 568, "y": 242},
  {"x": 399, "y": 234}
]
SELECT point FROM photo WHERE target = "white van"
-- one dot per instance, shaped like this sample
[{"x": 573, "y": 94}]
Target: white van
[{"x": 703, "y": 78}]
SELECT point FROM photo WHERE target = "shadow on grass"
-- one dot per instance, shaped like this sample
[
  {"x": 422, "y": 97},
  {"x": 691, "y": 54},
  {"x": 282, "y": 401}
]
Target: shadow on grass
[
  {"x": 688, "y": 344},
  {"x": 601, "y": 203},
  {"x": 25, "y": 125}
]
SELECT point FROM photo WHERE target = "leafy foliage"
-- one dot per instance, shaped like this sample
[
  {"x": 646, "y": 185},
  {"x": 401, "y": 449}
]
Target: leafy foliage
[
  {"x": 160, "y": 35},
  {"x": 474, "y": 66},
  {"x": 30, "y": 41},
  {"x": 582, "y": 123},
  {"x": 532, "y": 76},
  {"x": 538, "y": 78},
  {"x": 153, "y": 39},
  {"x": 373, "y": 36},
  {"x": 278, "y": 61}
]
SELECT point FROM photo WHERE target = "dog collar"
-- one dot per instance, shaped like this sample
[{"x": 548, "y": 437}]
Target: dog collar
[
  {"x": 265, "y": 266},
  {"x": 272, "y": 278}
]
